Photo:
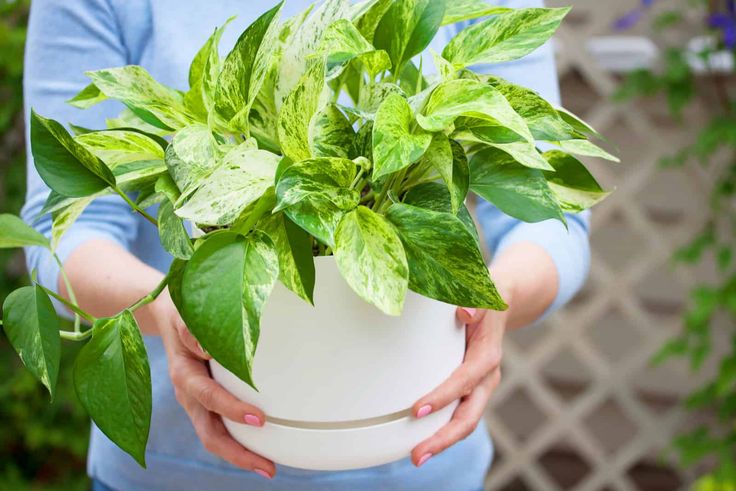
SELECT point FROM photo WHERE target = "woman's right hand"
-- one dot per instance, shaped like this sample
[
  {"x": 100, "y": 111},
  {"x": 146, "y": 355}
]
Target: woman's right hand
[{"x": 204, "y": 400}]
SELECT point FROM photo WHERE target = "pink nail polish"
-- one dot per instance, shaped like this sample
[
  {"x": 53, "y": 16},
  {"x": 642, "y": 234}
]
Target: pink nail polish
[
  {"x": 470, "y": 311},
  {"x": 253, "y": 420},
  {"x": 424, "y": 410},
  {"x": 263, "y": 473},
  {"x": 423, "y": 459}
]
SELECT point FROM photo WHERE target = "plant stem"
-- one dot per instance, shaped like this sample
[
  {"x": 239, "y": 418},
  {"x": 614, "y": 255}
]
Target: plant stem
[
  {"x": 76, "y": 336},
  {"x": 151, "y": 296},
  {"x": 135, "y": 207},
  {"x": 70, "y": 290},
  {"x": 74, "y": 308}
]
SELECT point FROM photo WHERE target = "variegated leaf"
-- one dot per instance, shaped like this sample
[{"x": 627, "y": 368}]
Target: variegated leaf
[
  {"x": 294, "y": 248},
  {"x": 371, "y": 258},
  {"x": 172, "y": 233},
  {"x": 63, "y": 219},
  {"x": 576, "y": 189},
  {"x": 245, "y": 68},
  {"x": 396, "y": 144},
  {"x": 504, "y": 37},
  {"x": 460, "y": 10},
  {"x": 449, "y": 160},
  {"x": 243, "y": 177},
  {"x": 464, "y": 97},
  {"x": 585, "y": 148},
  {"x": 444, "y": 260},
  {"x": 318, "y": 180},
  {"x": 191, "y": 157},
  {"x": 331, "y": 134},
  {"x": 116, "y": 147},
  {"x": 155, "y": 104},
  {"x": 516, "y": 190}
]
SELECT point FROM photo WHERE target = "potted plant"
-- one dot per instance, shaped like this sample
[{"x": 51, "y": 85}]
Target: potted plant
[{"x": 320, "y": 167}]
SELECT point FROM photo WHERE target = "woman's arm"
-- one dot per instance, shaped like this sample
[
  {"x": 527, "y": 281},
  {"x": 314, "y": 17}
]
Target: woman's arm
[
  {"x": 65, "y": 39},
  {"x": 536, "y": 267}
]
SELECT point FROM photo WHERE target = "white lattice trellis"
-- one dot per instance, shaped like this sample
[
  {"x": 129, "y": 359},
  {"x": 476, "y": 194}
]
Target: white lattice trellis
[{"x": 581, "y": 385}]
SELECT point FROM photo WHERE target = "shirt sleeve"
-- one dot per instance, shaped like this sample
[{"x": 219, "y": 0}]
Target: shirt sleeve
[
  {"x": 65, "y": 39},
  {"x": 568, "y": 248}
]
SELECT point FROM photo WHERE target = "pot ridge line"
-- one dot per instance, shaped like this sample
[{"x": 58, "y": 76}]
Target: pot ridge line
[{"x": 340, "y": 425}]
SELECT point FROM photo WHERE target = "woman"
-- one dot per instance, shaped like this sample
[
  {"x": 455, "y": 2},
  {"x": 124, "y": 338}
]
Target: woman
[{"x": 113, "y": 258}]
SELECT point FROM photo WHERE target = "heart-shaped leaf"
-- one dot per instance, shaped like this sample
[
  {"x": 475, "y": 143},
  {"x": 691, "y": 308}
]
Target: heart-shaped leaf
[
  {"x": 318, "y": 180},
  {"x": 14, "y": 232},
  {"x": 504, "y": 37},
  {"x": 444, "y": 260},
  {"x": 32, "y": 327},
  {"x": 172, "y": 233},
  {"x": 396, "y": 144},
  {"x": 225, "y": 285},
  {"x": 243, "y": 177},
  {"x": 66, "y": 166},
  {"x": 371, "y": 258},
  {"x": 113, "y": 382},
  {"x": 518, "y": 191},
  {"x": 460, "y": 10},
  {"x": 331, "y": 134},
  {"x": 576, "y": 189}
]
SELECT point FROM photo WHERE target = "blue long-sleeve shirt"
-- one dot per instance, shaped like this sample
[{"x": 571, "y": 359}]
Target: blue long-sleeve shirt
[{"x": 67, "y": 38}]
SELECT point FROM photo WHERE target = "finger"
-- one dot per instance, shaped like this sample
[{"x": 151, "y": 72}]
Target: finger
[
  {"x": 191, "y": 343},
  {"x": 216, "y": 439},
  {"x": 469, "y": 315},
  {"x": 483, "y": 355},
  {"x": 463, "y": 422},
  {"x": 207, "y": 392}
]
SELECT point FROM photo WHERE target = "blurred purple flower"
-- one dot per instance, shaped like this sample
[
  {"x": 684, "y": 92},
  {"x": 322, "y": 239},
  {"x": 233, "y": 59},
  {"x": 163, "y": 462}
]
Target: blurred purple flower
[
  {"x": 726, "y": 23},
  {"x": 632, "y": 18}
]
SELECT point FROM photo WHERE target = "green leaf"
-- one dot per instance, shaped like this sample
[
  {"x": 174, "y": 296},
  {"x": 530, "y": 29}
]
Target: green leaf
[
  {"x": 174, "y": 237},
  {"x": 295, "y": 61},
  {"x": 504, "y": 37},
  {"x": 297, "y": 112},
  {"x": 32, "y": 327},
  {"x": 577, "y": 123},
  {"x": 203, "y": 73},
  {"x": 116, "y": 147},
  {"x": 63, "y": 219},
  {"x": 319, "y": 218},
  {"x": 543, "y": 119},
  {"x": 395, "y": 144},
  {"x": 372, "y": 97},
  {"x": 191, "y": 157},
  {"x": 585, "y": 148},
  {"x": 245, "y": 68},
  {"x": 516, "y": 190},
  {"x": 155, "y": 104},
  {"x": 464, "y": 97},
  {"x": 127, "y": 120},
  {"x": 449, "y": 160},
  {"x": 322, "y": 180},
  {"x": 166, "y": 186},
  {"x": 444, "y": 260},
  {"x": 368, "y": 14},
  {"x": 460, "y": 10},
  {"x": 407, "y": 28},
  {"x": 243, "y": 177},
  {"x": 331, "y": 134},
  {"x": 371, "y": 258},
  {"x": 113, "y": 382},
  {"x": 294, "y": 248},
  {"x": 64, "y": 165},
  {"x": 226, "y": 284},
  {"x": 14, "y": 232},
  {"x": 573, "y": 185},
  {"x": 137, "y": 175},
  {"x": 342, "y": 43},
  {"x": 175, "y": 274},
  {"x": 87, "y": 97},
  {"x": 436, "y": 197}
]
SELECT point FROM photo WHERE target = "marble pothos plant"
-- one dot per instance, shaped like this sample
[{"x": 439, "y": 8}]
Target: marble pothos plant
[{"x": 315, "y": 136}]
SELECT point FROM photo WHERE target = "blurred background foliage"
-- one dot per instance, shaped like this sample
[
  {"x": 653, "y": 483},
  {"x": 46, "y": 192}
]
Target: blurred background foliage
[
  {"x": 42, "y": 445},
  {"x": 705, "y": 63}
]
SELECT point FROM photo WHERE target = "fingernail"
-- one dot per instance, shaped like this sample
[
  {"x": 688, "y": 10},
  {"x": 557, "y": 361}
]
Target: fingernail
[
  {"x": 253, "y": 420},
  {"x": 424, "y": 410},
  {"x": 263, "y": 473},
  {"x": 469, "y": 311},
  {"x": 423, "y": 459}
]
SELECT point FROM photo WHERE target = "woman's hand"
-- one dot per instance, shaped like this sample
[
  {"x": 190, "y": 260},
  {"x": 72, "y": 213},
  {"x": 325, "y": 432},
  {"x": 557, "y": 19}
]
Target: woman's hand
[
  {"x": 204, "y": 400},
  {"x": 472, "y": 383}
]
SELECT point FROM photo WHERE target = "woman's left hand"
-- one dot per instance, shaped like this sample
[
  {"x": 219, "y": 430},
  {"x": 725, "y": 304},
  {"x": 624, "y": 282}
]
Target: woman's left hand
[{"x": 472, "y": 383}]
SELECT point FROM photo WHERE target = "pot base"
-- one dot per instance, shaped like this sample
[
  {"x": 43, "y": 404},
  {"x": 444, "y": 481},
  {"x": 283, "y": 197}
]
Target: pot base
[{"x": 339, "y": 449}]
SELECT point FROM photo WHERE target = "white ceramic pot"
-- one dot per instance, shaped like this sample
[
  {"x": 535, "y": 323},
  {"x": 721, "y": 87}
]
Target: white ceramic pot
[{"x": 337, "y": 380}]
